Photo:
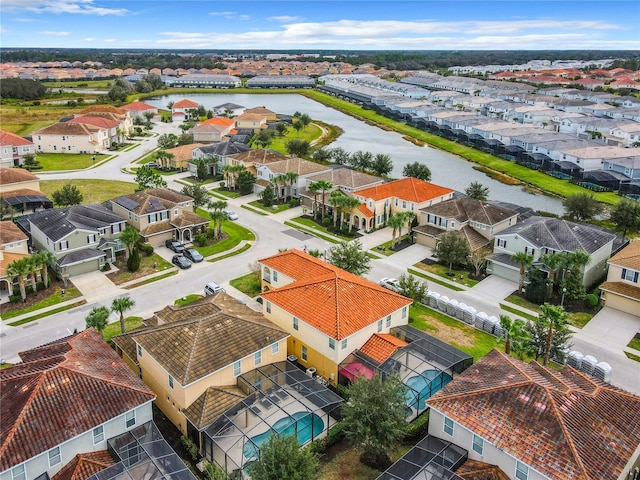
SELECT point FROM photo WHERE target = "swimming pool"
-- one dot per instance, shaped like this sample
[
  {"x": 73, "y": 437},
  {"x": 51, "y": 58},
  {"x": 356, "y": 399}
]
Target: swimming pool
[
  {"x": 302, "y": 424},
  {"x": 423, "y": 386}
]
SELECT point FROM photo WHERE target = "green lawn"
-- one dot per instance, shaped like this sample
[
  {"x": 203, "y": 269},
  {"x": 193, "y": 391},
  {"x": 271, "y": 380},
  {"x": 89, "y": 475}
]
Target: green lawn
[
  {"x": 54, "y": 298},
  {"x": 434, "y": 279},
  {"x": 93, "y": 191},
  {"x": 224, "y": 193},
  {"x": 113, "y": 329},
  {"x": 634, "y": 343},
  {"x": 66, "y": 161},
  {"x": 519, "y": 313},
  {"x": 231, "y": 254},
  {"x": 148, "y": 266},
  {"x": 577, "y": 319},
  {"x": 248, "y": 284},
  {"x": 236, "y": 233},
  {"x": 456, "y": 333},
  {"x": 457, "y": 276},
  {"x": 633, "y": 357},
  {"x": 280, "y": 207},
  {"x": 181, "y": 302},
  {"x": 521, "y": 302},
  {"x": 151, "y": 280},
  {"x": 313, "y": 226},
  {"x": 38, "y": 316},
  {"x": 311, "y": 133},
  {"x": 384, "y": 249}
]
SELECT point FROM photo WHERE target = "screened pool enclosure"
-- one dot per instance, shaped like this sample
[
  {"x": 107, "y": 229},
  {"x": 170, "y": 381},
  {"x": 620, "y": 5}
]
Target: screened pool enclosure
[
  {"x": 425, "y": 365},
  {"x": 281, "y": 399}
]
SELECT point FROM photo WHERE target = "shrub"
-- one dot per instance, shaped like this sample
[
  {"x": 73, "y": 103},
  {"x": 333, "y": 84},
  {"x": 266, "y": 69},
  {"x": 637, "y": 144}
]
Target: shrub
[
  {"x": 592, "y": 300},
  {"x": 335, "y": 435},
  {"x": 190, "y": 447},
  {"x": 418, "y": 428},
  {"x": 326, "y": 221},
  {"x": 201, "y": 239},
  {"x": 294, "y": 202},
  {"x": 133, "y": 263},
  {"x": 146, "y": 249},
  {"x": 105, "y": 267},
  {"x": 15, "y": 298}
]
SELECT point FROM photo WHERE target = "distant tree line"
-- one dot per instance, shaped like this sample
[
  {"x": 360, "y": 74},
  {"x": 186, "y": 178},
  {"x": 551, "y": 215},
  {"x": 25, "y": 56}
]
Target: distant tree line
[{"x": 22, "y": 89}]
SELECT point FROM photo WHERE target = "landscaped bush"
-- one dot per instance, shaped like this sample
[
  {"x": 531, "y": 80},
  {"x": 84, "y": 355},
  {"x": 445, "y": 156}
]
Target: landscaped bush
[
  {"x": 326, "y": 221},
  {"x": 418, "y": 428},
  {"x": 15, "y": 298},
  {"x": 592, "y": 300},
  {"x": 201, "y": 239},
  {"x": 294, "y": 202},
  {"x": 146, "y": 249},
  {"x": 190, "y": 447},
  {"x": 133, "y": 263},
  {"x": 335, "y": 435}
]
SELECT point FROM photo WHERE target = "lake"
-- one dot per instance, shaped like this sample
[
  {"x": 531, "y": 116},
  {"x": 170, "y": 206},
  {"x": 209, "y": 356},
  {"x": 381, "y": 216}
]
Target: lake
[{"x": 446, "y": 169}]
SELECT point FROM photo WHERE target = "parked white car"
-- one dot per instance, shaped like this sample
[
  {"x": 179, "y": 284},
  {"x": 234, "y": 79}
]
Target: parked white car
[
  {"x": 390, "y": 283},
  {"x": 231, "y": 215}
]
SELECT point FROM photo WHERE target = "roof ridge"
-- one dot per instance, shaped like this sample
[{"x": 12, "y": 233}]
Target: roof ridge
[
  {"x": 194, "y": 344},
  {"x": 480, "y": 391},
  {"x": 67, "y": 366}
]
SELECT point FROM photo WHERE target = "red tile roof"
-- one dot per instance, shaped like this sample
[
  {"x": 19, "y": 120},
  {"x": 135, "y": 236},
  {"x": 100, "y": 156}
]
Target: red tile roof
[
  {"x": 8, "y": 138},
  {"x": 381, "y": 346},
  {"x": 100, "y": 122},
  {"x": 138, "y": 106},
  {"x": 408, "y": 188},
  {"x": 15, "y": 175},
  {"x": 225, "y": 122},
  {"x": 185, "y": 104},
  {"x": 328, "y": 298},
  {"x": 566, "y": 425},
  {"x": 84, "y": 465},
  {"x": 61, "y": 390},
  {"x": 363, "y": 208}
]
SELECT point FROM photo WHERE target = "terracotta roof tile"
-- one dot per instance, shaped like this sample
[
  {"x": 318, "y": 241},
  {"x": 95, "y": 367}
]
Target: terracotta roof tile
[
  {"x": 628, "y": 257},
  {"x": 563, "y": 424},
  {"x": 328, "y": 298},
  {"x": 138, "y": 106},
  {"x": 363, "y": 208},
  {"x": 224, "y": 122},
  {"x": 185, "y": 103},
  {"x": 8, "y": 138},
  {"x": 96, "y": 121},
  {"x": 84, "y": 465},
  {"x": 15, "y": 175},
  {"x": 408, "y": 188},
  {"x": 184, "y": 152},
  {"x": 49, "y": 397},
  {"x": 622, "y": 288},
  {"x": 476, "y": 470},
  {"x": 6, "y": 259},
  {"x": 212, "y": 403},
  {"x": 9, "y": 233},
  {"x": 381, "y": 346}
]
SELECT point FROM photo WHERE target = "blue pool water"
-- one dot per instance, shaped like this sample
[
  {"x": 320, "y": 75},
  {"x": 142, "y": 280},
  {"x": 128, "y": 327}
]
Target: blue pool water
[
  {"x": 423, "y": 386},
  {"x": 302, "y": 424}
]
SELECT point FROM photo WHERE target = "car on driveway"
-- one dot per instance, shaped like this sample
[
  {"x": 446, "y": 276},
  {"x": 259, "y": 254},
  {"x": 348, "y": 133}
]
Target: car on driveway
[
  {"x": 151, "y": 164},
  {"x": 174, "y": 245},
  {"x": 231, "y": 215},
  {"x": 390, "y": 283},
  {"x": 212, "y": 288},
  {"x": 193, "y": 255},
  {"x": 181, "y": 261}
]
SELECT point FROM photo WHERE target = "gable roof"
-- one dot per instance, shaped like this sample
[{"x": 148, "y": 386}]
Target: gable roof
[
  {"x": 260, "y": 156},
  {"x": 328, "y": 298},
  {"x": 185, "y": 103},
  {"x": 563, "y": 424},
  {"x": 50, "y": 397},
  {"x": 297, "y": 165},
  {"x": 83, "y": 465},
  {"x": 346, "y": 177},
  {"x": 224, "y": 149},
  {"x": 381, "y": 346},
  {"x": 408, "y": 188},
  {"x": 15, "y": 175},
  {"x": 628, "y": 257},
  {"x": 465, "y": 209},
  {"x": 183, "y": 152},
  {"x": 250, "y": 117},
  {"x": 560, "y": 235},
  {"x": 57, "y": 223},
  {"x": 138, "y": 106},
  {"x": 8, "y": 138},
  {"x": 152, "y": 200},
  {"x": 96, "y": 121},
  {"x": 9, "y": 233},
  {"x": 260, "y": 110},
  {"x": 221, "y": 121},
  {"x": 67, "y": 128},
  {"x": 213, "y": 402}
]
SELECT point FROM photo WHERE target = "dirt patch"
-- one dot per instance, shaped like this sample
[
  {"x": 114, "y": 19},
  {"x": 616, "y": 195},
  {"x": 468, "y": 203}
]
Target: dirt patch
[
  {"x": 447, "y": 333},
  {"x": 123, "y": 275}
]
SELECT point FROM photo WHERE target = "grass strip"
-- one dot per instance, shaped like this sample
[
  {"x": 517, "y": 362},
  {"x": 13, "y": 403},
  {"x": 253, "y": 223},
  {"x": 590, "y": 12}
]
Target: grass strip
[
  {"x": 151, "y": 280},
  {"x": 315, "y": 233},
  {"x": 520, "y": 313},
  {"x": 54, "y": 298},
  {"x": 434, "y": 280},
  {"x": 254, "y": 210},
  {"x": 634, "y": 343},
  {"x": 307, "y": 222},
  {"x": 633, "y": 357},
  {"x": 113, "y": 329},
  {"x": 186, "y": 300},
  {"x": 46, "y": 314},
  {"x": 249, "y": 284},
  {"x": 231, "y": 254}
]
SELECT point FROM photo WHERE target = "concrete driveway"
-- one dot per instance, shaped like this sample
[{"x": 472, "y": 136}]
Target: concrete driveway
[
  {"x": 612, "y": 327},
  {"x": 495, "y": 287},
  {"x": 96, "y": 285}
]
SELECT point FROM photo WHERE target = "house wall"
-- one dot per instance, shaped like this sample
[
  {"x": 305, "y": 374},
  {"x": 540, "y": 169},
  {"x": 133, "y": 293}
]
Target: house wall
[
  {"x": 21, "y": 246},
  {"x": 276, "y": 279},
  {"x": 82, "y": 443},
  {"x": 49, "y": 143},
  {"x": 613, "y": 300},
  {"x": 10, "y": 154},
  {"x": 10, "y": 187},
  {"x": 172, "y": 400},
  {"x": 491, "y": 454},
  {"x": 77, "y": 240}
]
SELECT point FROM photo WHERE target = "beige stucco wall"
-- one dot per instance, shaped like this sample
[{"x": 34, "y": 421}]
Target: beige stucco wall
[
  {"x": 72, "y": 143},
  {"x": 31, "y": 185}
]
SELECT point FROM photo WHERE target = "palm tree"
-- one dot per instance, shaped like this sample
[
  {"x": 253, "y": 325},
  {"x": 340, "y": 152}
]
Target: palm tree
[
  {"x": 553, "y": 318},
  {"x": 163, "y": 156},
  {"x": 314, "y": 188},
  {"x": 20, "y": 268},
  {"x": 349, "y": 204},
  {"x": 324, "y": 186},
  {"x": 34, "y": 266},
  {"x": 336, "y": 199},
  {"x": 278, "y": 180},
  {"x": 46, "y": 258},
  {"x": 553, "y": 261},
  {"x": 408, "y": 218},
  {"x": 395, "y": 222},
  {"x": 98, "y": 318},
  {"x": 514, "y": 332},
  {"x": 129, "y": 237},
  {"x": 292, "y": 178},
  {"x": 121, "y": 305},
  {"x": 218, "y": 205},
  {"x": 523, "y": 260},
  {"x": 217, "y": 217}
]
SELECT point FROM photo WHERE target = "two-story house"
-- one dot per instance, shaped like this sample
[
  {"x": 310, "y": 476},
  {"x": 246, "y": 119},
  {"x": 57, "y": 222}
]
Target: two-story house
[
  {"x": 13, "y": 246},
  {"x": 109, "y": 112},
  {"x": 181, "y": 110},
  {"x": 405, "y": 195},
  {"x": 303, "y": 168},
  {"x": 13, "y": 148},
  {"x": 65, "y": 137},
  {"x": 215, "y": 129},
  {"x": 229, "y": 109},
  {"x": 269, "y": 115},
  {"x": 20, "y": 190},
  {"x": 622, "y": 288},
  {"x": 538, "y": 236},
  {"x": 535, "y": 423},
  {"x": 160, "y": 214},
  {"x": 215, "y": 156},
  {"x": 475, "y": 220},
  {"x": 110, "y": 129},
  {"x": 180, "y": 156},
  {"x": 82, "y": 237},
  {"x": 64, "y": 400},
  {"x": 253, "y": 121},
  {"x": 344, "y": 179},
  {"x": 138, "y": 109},
  {"x": 328, "y": 311}
]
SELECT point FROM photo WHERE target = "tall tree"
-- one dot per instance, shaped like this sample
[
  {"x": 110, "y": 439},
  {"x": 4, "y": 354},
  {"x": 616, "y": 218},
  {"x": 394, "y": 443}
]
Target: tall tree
[
  {"x": 20, "y": 269},
  {"x": 381, "y": 165},
  {"x": 121, "y": 305},
  {"x": 524, "y": 261},
  {"x": 477, "y": 191},
  {"x": 297, "y": 147},
  {"x": 374, "y": 418},
  {"x": 582, "y": 207},
  {"x": 292, "y": 178},
  {"x": 361, "y": 160},
  {"x": 337, "y": 200},
  {"x": 282, "y": 458},
  {"x": 67, "y": 196},
  {"x": 478, "y": 259},
  {"x": 167, "y": 140},
  {"x": 451, "y": 249},
  {"x": 267, "y": 197},
  {"x": 322, "y": 155},
  {"x": 129, "y": 237},
  {"x": 297, "y": 126},
  {"x": 45, "y": 259},
  {"x": 413, "y": 288},
  {"x": 98, "y": 318},
  {"x": 245, "y": 181},
  {"x": 626, "y": 216},
  {"x": 348, "y": 205},
  {"x": 350, "y": 257},
  {"x": 514, "y": 334},
  {"x": 553, "y": 318},
  {"x": 395, "y": 222},
  {"x": 217, "y": 217},
  {"x": 146, "y": 178},
  {"x": 324, "y": 186},
  {"x": 553, "y": 261},
  {"x": 417, "y": 170},
  {"x": 314, "y": 188},
  {"x": 277, "y": 181},
  {"x": 198, "y": 193},
  {"x": 339, "y": 155}
]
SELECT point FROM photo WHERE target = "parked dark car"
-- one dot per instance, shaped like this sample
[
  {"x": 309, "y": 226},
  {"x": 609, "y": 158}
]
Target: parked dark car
[
  {"x": 174, "y": 245},
  {"x": 181, "y": 262},
  {"x": 193, "y": 255}
]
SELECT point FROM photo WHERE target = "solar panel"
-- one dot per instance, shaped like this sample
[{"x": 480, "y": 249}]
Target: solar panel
[
  {"x": 154, "y": 205},
  {"x": 127, "y": 203}
]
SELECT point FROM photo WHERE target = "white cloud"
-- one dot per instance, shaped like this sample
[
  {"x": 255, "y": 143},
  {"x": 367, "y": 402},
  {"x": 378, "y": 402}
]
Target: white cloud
[
  {"x": 221, "y": 14},
  {"x": 89, "y": 39},
  {"x": 284, "y": 19},
  {"x": 55, "y": 34},
  {"x": 80, "y": 7},
  {"x": 230, "y": 15}
]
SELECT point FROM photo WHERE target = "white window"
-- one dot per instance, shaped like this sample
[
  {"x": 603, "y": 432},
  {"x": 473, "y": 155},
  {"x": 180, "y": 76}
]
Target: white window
[
  {"x": 116, "y": 228},
  {"x": 388, "y": 321},
  {"x": 130, "y": 419},
  {"x": 98, "y": 434},
  {"x": 404, "y": 204},
  {"x": 275, "y": 348},
  {"x": 404, "y": 312},
  {"x": 275, "y": 276},
  {"x": 629, "y": 275},
  {"x": 522, "y": 471},
  {"x": 448, "y": 426},
  {"x": 502, "y": 243},
  {"x": 175, "y": 212},
  {"x": 54, "y": 457},
  {"x": 343, "y": 345},
  {"x": 379, "y": 325},
  {"x": 268, "y": 307},
  {"x": 304, "y": 353},
  {"x": 170, "y": 381},
  {"x": 257, "y": 358},
  {"x": 295, "y": 323},
  {"x": 237, "y": 368},
  {"x": 478, "y": 444},
  {"x": 18, "y": 473},
  {"x": 91, "y": 238},
  {"x": 63, "y": 245},
  {"x": 332, "y": 344}
]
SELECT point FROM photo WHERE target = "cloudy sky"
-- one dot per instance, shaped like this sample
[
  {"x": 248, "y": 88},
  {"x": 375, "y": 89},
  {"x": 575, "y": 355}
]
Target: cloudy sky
[{"x": 317, "y": 24}]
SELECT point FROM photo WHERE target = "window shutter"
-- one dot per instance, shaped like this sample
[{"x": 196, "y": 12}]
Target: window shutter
[{"x": 624, "y": 273}]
